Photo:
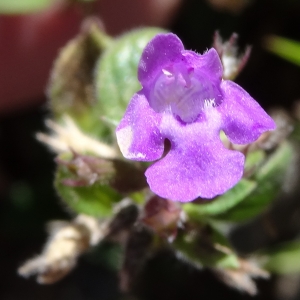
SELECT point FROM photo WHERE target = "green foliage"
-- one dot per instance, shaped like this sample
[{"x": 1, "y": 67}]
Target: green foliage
[
  {"x": 285, "y": 48},
  {"x": 249, "y": 197},
  {"x": 71, "y": 86},
  {"x": 73, "y": 79},
  {"x": 95, "y": 200},
  {"x": 283, "y": 259},
  {"x": 253, "y": 160},
  {"x": 222, "y": 203},
  {"x": 23, "y": 6},
  {"x": 207, "y": 248},
  {"x": 269, "y": 178},
  {"x": 116, "y": 74}
]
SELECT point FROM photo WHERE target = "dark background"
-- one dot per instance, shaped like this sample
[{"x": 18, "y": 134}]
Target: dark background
[{"x": 28, "y": 199}]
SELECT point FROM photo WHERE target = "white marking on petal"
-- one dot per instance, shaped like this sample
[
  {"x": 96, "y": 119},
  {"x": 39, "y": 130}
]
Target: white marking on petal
[
  {"x": 139, "y": 155},
  {"x": 209, "y": 103},
  {"x": 125, "y": 137},
  {"x": 167, "y": 73}
]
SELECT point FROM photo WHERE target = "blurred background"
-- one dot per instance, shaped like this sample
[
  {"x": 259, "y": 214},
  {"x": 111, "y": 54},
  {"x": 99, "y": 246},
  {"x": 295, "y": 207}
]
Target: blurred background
[{"x": 29, "y": 44}]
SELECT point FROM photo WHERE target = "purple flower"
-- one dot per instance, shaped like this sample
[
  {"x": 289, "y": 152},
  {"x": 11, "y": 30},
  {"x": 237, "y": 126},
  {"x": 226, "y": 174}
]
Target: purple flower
[{"x": 185, "y": 100}]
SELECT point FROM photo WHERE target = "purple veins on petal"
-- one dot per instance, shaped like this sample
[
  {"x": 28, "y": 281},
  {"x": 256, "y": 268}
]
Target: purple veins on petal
[{"x": 185, "y": 100}]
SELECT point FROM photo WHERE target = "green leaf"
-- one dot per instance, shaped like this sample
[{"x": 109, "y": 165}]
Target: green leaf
[
  {"x": 71, "y": 87},
  {"x": 95, "y": 200},
  {"x": 269, "y": 178},
  {"x": 276, "y": 164},
  {"x": 284, "y": 259},
  {"x": 254, "y": 159},
  {"x": 296, "y": 131},
  {"x": 116, "y": 74},
  {"x": 222, "y": 203},
  {"x": 23, "y": 6},
  {"x": 285, "y": 48},
  {"x": 207, "y": 248}
]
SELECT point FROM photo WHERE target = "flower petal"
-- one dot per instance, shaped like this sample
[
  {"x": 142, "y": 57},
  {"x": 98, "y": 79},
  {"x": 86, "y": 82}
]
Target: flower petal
[
  {"x": 159, "y": 52},
  {"x": 243, "y": 118},
  {"x": 208, "y": 63},
  {"x": 198, "y": 165},
  {"x": 138, "y": 134}
]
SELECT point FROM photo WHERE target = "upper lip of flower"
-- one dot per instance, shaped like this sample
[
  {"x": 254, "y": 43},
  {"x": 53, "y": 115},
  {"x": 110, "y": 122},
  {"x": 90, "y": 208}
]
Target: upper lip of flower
[
  {"x": 184, "y": 99},
  {"x": 183, "y": 92}
]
